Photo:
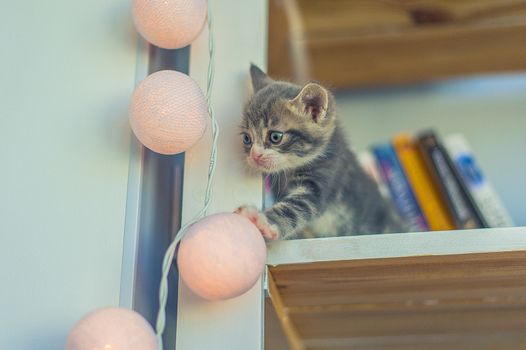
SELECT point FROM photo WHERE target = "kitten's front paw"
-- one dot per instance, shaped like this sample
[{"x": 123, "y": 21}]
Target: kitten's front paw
[{"x": 259, "y": 219}]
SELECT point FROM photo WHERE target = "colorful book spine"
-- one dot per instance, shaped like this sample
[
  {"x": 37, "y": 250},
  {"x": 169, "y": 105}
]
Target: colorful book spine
[
  {"x": 268, "y": 195},
  {"x": 426, "y": 192},
  {"x": 368, "y": 163},
  {"x": 444, "y": 175},
  {"x": 399, "y": 187},
  {"x": 482, "y": 191}
]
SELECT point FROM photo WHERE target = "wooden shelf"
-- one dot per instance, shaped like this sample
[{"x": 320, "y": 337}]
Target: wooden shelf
[
  {"x": 356, "y": 43},
  {"x": 433, "y": 290}
]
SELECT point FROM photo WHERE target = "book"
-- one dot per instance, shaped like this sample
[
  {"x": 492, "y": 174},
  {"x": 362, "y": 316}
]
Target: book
[
  {"x": 444, "y": 175},
  {"x": 426, "y": 192},
  {"x": 368, "y": 163},
  {"x": 482, "y": 191},
  {"x": 268, "y": 195},
  {"x": 401, "y": 192}
]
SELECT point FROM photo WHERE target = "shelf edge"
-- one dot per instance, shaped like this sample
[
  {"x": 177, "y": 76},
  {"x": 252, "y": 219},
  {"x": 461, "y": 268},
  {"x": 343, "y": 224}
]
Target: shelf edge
[{"x": 396, "y": 245}]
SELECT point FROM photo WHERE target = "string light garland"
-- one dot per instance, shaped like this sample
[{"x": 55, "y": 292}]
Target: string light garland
[
  {"x": 170, "y": 24},
  {"x": 221, "y": 256},
  {"x": 112, "y": 328},
  {"x": 158, "y": 117},
  {"x": 170, "y": 251},
  {"x": 228, "y": 248}
]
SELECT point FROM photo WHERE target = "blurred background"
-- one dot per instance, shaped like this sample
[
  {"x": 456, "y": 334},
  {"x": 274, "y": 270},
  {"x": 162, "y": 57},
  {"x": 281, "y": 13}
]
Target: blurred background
[
  {"x": 405, "y": 67},
  {"x": 454, "y": 66}
]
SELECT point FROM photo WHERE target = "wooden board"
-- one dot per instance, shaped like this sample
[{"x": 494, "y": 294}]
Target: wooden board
[
  {"x": 275, "y": 337},
  {"x": 356, "y": 43},
  {"x": 467, "y": 301}
]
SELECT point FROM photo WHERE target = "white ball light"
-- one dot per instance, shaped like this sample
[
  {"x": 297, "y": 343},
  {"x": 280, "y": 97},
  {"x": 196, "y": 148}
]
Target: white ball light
[
  {"x": 221, "y": 256},
  {"x": 112, "y": 329},
  {"x": 168, "y": 112},
  {"x": 170, "y": 24}
]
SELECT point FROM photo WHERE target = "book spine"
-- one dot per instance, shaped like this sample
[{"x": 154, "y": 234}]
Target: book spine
[
  {"x": 442, "y": 170},
  {"x": 399, "y": 187},
  {"x": 426, "y": 192},
  {"x": 368, "y": 162},
  {"x": 268, "y": 195},
  {"x": 482, "y": 191}
]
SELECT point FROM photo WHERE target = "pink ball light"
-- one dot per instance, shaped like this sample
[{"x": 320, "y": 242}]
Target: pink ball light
[
  {"x": 112, "y": 329},
  {"x": 170, "y": 24},
  {"x": 168, "y": 112},
  {"x": 221, "y": 256}
]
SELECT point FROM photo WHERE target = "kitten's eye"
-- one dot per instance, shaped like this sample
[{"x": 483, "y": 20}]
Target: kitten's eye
[
  {"x": 275, "y": 137},
  {"x": 246, "y": 139}
]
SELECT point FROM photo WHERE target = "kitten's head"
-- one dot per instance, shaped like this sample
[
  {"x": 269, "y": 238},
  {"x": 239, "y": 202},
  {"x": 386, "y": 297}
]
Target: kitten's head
[{"x": 285, "y": 126}]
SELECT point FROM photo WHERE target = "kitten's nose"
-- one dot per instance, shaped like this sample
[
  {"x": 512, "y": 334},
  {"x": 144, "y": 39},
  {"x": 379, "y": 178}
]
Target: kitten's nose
[
  {"x": 257, "y": 157},
  {"x": 255, "y": 154}
]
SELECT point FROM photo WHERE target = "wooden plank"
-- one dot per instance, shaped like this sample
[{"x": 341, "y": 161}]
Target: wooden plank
[
  {"x": 280, "y": 63},
  {"x": 492, "y": 279},
  {"x": 450, "y": 342},
  {"x": 420, "y": 55},
  {"x": 467, "y": 301},
  {"x": 275, "y": 337},
  {"x": 338, "y": 325},
  {"x": 282, "y": 313},
  {"x": 334, "y": 18},
  {"x": 349, "y": 43}
]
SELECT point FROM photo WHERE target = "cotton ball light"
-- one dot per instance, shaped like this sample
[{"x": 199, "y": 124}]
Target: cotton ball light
[
  {"x": 168, "y": 112},
  {"x": 170, "y": 24},
  {"x": 221, "y": 256},
  {"x": 112, "y": 329}
]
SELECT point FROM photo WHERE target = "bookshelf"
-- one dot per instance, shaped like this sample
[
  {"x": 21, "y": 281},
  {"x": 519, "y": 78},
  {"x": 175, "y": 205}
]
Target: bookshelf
[
  {"x": 431, "y": 290},
  {"x": 461, "y": 289},
  {"x": 357, "y": 43},
  {"x": 407, "y": 66},
  {"x": 488, "y": 110}
]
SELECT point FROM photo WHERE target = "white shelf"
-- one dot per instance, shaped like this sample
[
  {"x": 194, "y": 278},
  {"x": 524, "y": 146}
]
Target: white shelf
[
  {"x": 441, "y": 290},
  {"x": 396, "y": 245}
]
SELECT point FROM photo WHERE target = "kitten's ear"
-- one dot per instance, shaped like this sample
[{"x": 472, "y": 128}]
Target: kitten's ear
[
  {"x": 259, "y": 78},
  {"x": 313, "y": 101}
]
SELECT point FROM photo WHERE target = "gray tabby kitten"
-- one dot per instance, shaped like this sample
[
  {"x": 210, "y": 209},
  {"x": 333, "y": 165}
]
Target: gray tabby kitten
[{"x": 292, "y": 134}]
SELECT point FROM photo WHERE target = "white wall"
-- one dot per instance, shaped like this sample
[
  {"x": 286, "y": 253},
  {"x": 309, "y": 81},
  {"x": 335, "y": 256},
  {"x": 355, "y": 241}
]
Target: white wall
[
  {"x": 490, "y": 111},
  {"x": 67, "y": 69},
  {"x": 240, "y": 38}
]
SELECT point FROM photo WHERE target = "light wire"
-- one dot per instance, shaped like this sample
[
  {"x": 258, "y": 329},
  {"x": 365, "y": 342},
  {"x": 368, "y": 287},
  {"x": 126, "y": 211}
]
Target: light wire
[{"x": 170, "y": 251}]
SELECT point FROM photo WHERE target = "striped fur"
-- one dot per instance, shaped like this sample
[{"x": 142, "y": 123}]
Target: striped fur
[{"x": 319, "y": 187}]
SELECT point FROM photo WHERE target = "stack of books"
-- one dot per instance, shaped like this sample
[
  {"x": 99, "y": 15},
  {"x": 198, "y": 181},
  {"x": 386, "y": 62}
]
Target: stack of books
[{"x": 435, "y": 185}]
